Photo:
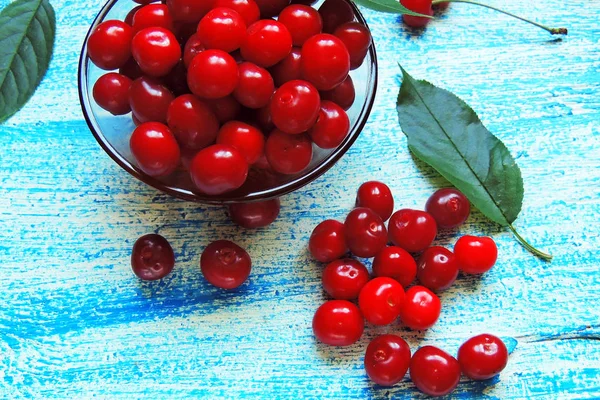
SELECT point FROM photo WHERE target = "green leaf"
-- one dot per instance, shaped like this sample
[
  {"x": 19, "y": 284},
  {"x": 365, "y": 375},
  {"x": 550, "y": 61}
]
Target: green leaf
[
  {"x": 446, "y": 133},
  {"x": 388, "y": 6},
  {"x": 27, "y": 29}
]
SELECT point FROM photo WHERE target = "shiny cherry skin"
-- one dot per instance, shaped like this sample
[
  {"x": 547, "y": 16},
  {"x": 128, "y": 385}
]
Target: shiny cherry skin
[
  {"x": 381, "y": 300},
  {"x": 287, "y": 69},
  {"x": 419, "y": 6},
  {"x": 338, "y": 323},
  {"x": 109, "y": 46},
  {"x": 254, "y": 215},
  {"x": 152, "y": 257},
  {"x": 357, "y": 39},
  {"x": 302, "y": 22},
  {"x": 295, "y": 107},
  {"x": 247, "y": 139},
  {"x": 129, "y": 17},
  {"x": 378, "y": 197},
  {"x": 222, "y": 29},
  {"x": 413, "y": 230},
  {"x": 219, "y": 169},
  {"x": 325, "y": 61},
  {"x": 225, "y": 108},
  {"x": 475, "y": 255},
  {"x": 192, "y": 48},
  {"x": 288, "y": 154},
  {"x": 267, "y": 43},
  {"x": 155, "y": 149},
  {"x": 365, "y": 232},
  {"x": 189, "y": 10},
  {"x": 449, "y": 207},
  {"x": 387, "y": 359},
  {"x": 421, "y": 308},
  {"x": 343, "y": 279},
  {"x": 213, "y": 74},
  {"x": 255, "y": 86},
  {"x": 343, "y": 95},
  {"x": 111, "y": 92},
  {"x": 335, "y": 13},
  {"x": 437, "y": 268},
  {"x": 332, "y": 126},
  {"x": 482, "y": 357},
  {"x": 327, "y": 241},
  {"x": 149, "y": 100},
  {"x": 192, "y": 122},
  {"x": 152, "y": 15},
  {"x": 271, "y": 8},
  {"x": 433, "y": 371},
  {"x": 225, "y": 265},
  {"x": 248, "y": 9},
  {"x": 396, "y": 263},
  {"x": 156, "y": 51}
]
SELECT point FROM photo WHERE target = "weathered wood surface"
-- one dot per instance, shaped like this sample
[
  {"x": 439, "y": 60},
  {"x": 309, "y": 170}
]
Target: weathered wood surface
[{"x": 75, "y": 322}]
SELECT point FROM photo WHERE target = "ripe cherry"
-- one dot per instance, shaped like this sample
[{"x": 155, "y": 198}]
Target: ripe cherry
[
  {"x": 288, "y": 154},
  {"x": 302, "y": 22},
  {"x": 381, "y": 301},
  {"x": 131, "y": 69},
  {"x": 332, "y": 126},
  {"x": 295, "y": 107},
  {"x": 225, "y": 108},
  {"x": 152, "y": 15},
  {"x": 335, "y": 13},
  {"x": 338, "y": 323},
  {"x": 223, "y": 29},
  {"x": 189, "y": 10},
  {"x": 365, "y": 232},
  {"x": 149, "y": 100},
  {"x": 111, "y": 92},
  {"x": 192, "y": 48},
  {"x": 421, "y": 308},
  {"x": 413, "y": 230},
  {"x": 475, "y": 255},
  {"x": 109, "y": 46},
  {"x": 155, "y": 149},
  {"x": 378, "y": 197},
  {"x": 396, "y": 263},
  {"x": 357, "y": 39},
  {"x": 248, "y": 9},
  {"x": 213, "y": 74},
  {"x": 327, "y": 241},
  {"x": 255, "y": 87},
  {"x": 156, "y": 51},
  {"x": 267, "y": 43},
  {"x": 343, "y": 95},
  {"x": 192, "y": 122},
  {"x": 419, "y": 6},
  {"x": 225, "y": 265},
  {"x": 437, "y": 268},
  {"x": 449, "y": 207},
  {"x": 176, "y": 80},
  {"x": 433, "y": 371},
  {"x": 247, "y": 139},
  {"x": 129, "y": 17},
  {"x": 152, "y": 257},
  {"x": 482, "y": 357},
  {"x": 387, "y": 359},
  {"x": 218, "y": 169},
  {"x": 343, "y": 279},
  {"x": 325, "y": 61},
  {"x": 264, "y": 120},
  {"x": 271, "y": 8},
  {"x": 254, "y": 215},
  {"x": 287, "y": 69}
]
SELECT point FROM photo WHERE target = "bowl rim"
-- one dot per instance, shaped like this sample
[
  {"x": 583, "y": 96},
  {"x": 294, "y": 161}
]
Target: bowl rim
[{"x": 183, "y": 194}]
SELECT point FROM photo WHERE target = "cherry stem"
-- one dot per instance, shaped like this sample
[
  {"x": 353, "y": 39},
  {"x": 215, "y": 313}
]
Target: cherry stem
[
  {"x": 530, "y": 248},
  {"x": 553, "y": 31}
]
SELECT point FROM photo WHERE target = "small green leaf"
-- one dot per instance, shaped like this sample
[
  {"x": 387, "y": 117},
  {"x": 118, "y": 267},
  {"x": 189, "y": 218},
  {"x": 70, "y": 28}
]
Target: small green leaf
[
  {"x": 27, "y": 29},
  {"x": 388, "y": 6}
]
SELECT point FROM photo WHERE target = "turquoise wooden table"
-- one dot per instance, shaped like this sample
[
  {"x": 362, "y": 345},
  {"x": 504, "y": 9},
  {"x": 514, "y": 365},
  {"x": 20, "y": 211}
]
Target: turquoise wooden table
[{"x": 76, "y": 323}]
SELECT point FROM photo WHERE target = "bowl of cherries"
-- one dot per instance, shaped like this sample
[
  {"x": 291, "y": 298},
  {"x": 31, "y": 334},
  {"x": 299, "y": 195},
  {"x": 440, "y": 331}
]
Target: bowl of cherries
[{"x": 227, "y": 101}]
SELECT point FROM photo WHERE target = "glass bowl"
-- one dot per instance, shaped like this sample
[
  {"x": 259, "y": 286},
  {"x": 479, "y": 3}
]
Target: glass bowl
[{"x": 113, "y": 132}]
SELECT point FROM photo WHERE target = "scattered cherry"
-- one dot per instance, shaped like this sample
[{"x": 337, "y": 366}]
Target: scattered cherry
[
  {"x": 156, "y": 50},
  {"x": 396, "y": 263},
  {"x": 111, "y": 92},
  {"x": 325, "y": 61},
  {"x": 218, "y": 169},
  {"x": 433, "y": 371},
  {"x": 482, "y": 357},
  {"x": 192, "y": 122},
  {"x": 295, "y": 107},
  {"x": 343, "y": 279},
  {"x": 213, "y": 74},
  {"x": 381, "y": 300},
  {"x": 247, "y": 139},
  {"x": 387, "y": 359},
  {"x": 413, "y": 230},
  {"x": 109, "y": 46},
  {"x": 378, "y": 197},
  {"x": 152, "y": 257},
  {"x": 288, "y": 154},
  {"x": 437, "y": 268},
  {"x": 223, "y": 29},
  {"x": 256, "y": 214},
  {"x": 338, "y": 323},
  {"x": 449, "y": 207},
  {"x": 155, "y": 149},
  {"x": 418, "y": 6},
  {"x": 475, "y": 255},
  {"x": 267, "y": 43},
  {"x": 421, "y": 308},
  {"x": 225, "y": 265},
  {"x": 332, "y": 126},
  {"x": 365, "y": 232},
  {"x": 327, "y": 241},
  {"x": 302, "y": 22}
]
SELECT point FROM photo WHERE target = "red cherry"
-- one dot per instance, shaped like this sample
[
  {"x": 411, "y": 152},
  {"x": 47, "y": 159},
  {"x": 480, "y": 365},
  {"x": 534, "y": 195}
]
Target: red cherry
[
  {"x": 302, "y": 22},
  {"x": 213, "y": 74},
  {"x": 247, "y": 139},
  {"x": 287, "y": 69},
  {"x": 189, "y": 10},
  {"x": 365, "y": 232},
  {"x": 357, "y": 39},
  {"x": 248, "y": 9},
  {"x": 433, "y": 371},
  {"x": 129, "y": 17},
  {"x": 152, "y": 257},
  {"x": 380, "y": 301},
  {"x": 396, "y": 263},
  {"x": 155, "y": 149},
  {"x": 111, "y": 92},
  {"x": 225, "y": 108},
  {"x": 378, "y": 197},
  {"x": 271, "y": 8},
  {"x": 109, "y": 46},
  {"x": 338, "y": 323},
  {"x": 149, "y": 100},
  {"x": 387, "y": 359},
  {"x": 255, "y": 87},
  {"x": 295, "y": 107},
  {"x": 421, "y": 308},
  {"x": 335, "y": 13},
  {"x": 156, "y": 51},
  {"x": 332, "y": 126},
  {"x": 288, "y": 154},
  {"x": 152, "y": 15},
  {"x": 327, "y": 241},
  {"x": 418, "y": 6},
  {"x": 184, "y": 30},
  {"x": 267, "y": 43},
  {"x": 176, "y": 80},
  {"x": 218, "y": 169},
  {"x": 254, "y": 215},
  {"x": 192, "y": 122},
  {"x": 475, "y": 255},
  {"x": 449, "y": 207},
  {"x": 325, "y": 61},
  {"x": 264, "y": 120},
  {"x": 305, "y": 2},
  {"x": 413, "y": 230},
  {"x": 143, "y": 1},
  {"x": 343, "y": 95},
  {"x": 482, "y": 357},
  {"x": 343, "y": 279},
  {"x": 223, "y": 29},
  {"x": 437, "y": 268},
  {"x": 225, "y": 265},
  {"x": 131, "y": 69},
  {"x": 192, "y": 48}
]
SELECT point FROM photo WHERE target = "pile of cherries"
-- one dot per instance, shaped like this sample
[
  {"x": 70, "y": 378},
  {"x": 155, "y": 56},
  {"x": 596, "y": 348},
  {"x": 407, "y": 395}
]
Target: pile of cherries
[
  {"x": 220, "y": 86},
  {"x": 389, "y": 296}
]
